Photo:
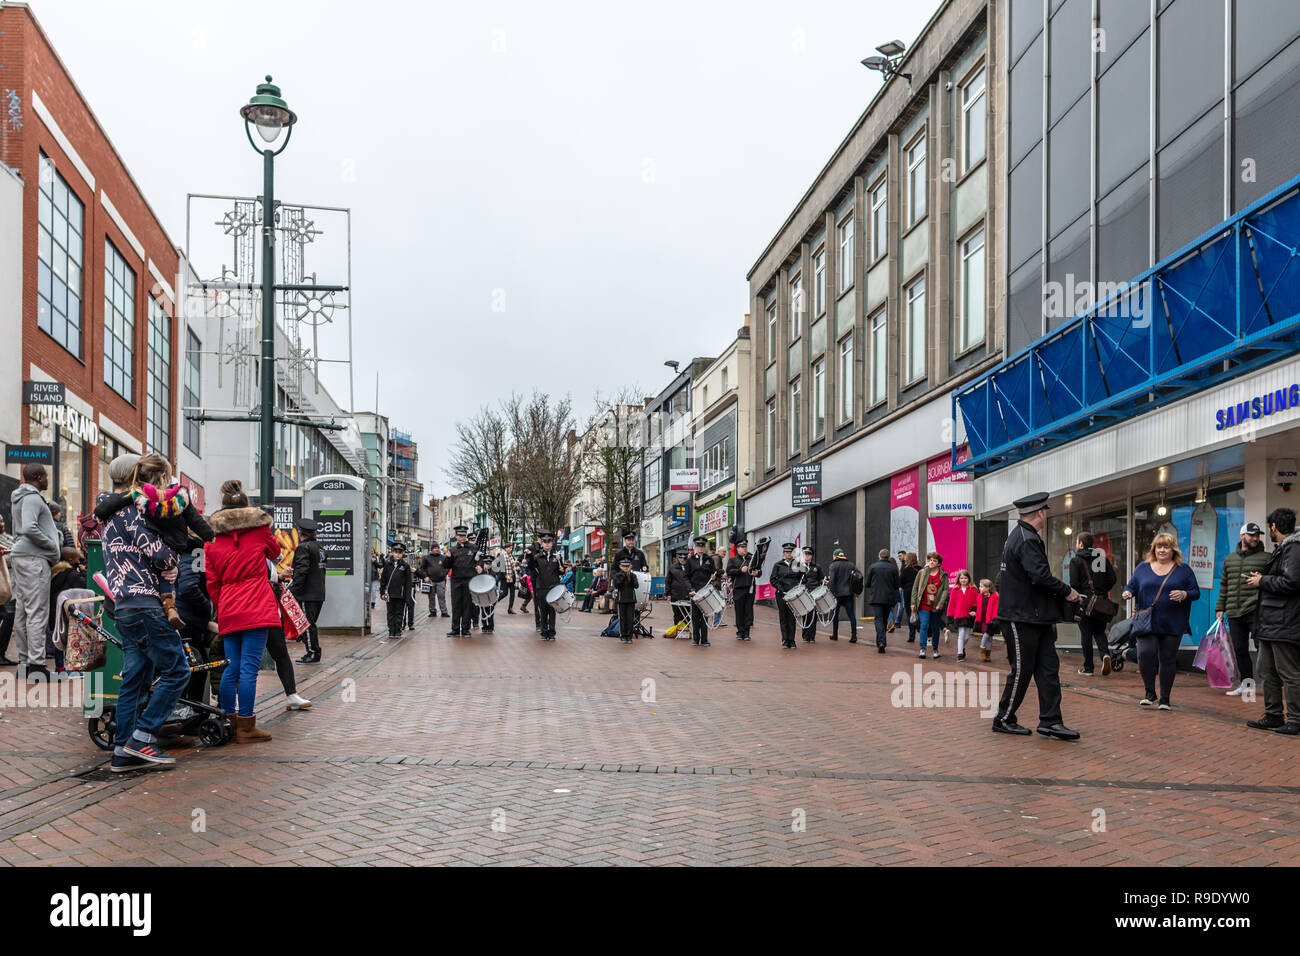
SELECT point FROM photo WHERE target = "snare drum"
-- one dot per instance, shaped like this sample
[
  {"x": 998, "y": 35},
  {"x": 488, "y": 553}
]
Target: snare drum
[
  {"x": 560, "y": 598},
  {"x": 799, "y": 600},
  {"x": 709, "y": 600},
  {"x": 483, "y": 590},
  {"x": 824, "y": 601}
]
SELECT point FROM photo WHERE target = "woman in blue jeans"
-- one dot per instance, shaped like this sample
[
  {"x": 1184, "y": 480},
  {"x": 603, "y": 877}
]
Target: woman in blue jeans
[
  {"x": 930, "y": 598},
  {"x": 1166, "y": 586},
  {"x": 235, "y": 566}
]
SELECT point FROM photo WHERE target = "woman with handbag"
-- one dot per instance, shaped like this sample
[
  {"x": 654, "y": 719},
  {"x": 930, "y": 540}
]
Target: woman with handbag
[
  {"x": 1163, "y": 589},
  {"x": 1092, "y": 575}
]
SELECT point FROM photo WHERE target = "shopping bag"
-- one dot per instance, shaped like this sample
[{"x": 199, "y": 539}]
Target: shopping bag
[
  {"x": 86, "y": 644},
  {"x": 1216, "y": 656},
  {"x": 292, "y": 616}
]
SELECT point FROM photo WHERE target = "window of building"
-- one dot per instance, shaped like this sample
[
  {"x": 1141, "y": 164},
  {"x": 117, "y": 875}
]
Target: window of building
[
  {"x": 914, "y": 340},
  {"x": 796, "y": 412},
  {"x": 796, "y": 305},
  {"x": 58, "y": 259},
  {"x": 846, "y": 254},
  {"x": 706, "y": 396},
  {"x": 819, "y": 399},
  {"x": 879, "y": 342},
  {"x": 916, "y": 182},
  {"x": 771, "y": 334},
  {"x": 119, "y": 323},
  {"x": 770, "y": 453},
  {"x": 158, "y": 384},
  {"x": 846, "y": 379},
  {"x": 879, "y": 218},
  {"x": 715, "y": 464},
  {"x": 971, "y": 320},
  {"x": 724, "y": 379},
  {"x": 192, "y": 391},
  {"x": 819, "y": 281},
  {"x": 653, "y": 478},
  {"x": 973, "y": 126}
]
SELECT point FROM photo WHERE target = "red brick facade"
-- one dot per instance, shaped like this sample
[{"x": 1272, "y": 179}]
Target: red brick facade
[{"x": 31, "y": 64}]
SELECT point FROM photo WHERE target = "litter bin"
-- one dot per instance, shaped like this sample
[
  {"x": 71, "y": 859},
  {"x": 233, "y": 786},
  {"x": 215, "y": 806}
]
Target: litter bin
[{"x": 100, "y": 687}]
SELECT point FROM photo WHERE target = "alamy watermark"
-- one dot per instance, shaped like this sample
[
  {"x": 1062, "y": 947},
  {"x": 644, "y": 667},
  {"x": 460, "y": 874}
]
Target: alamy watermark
[
  {"x": 1119, "y": 300},
  {"x": 933, "y": 689}
]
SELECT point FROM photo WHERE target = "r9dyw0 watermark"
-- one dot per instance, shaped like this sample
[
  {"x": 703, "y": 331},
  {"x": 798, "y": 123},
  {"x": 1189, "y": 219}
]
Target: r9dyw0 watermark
[{"x": 934, "y": 689}]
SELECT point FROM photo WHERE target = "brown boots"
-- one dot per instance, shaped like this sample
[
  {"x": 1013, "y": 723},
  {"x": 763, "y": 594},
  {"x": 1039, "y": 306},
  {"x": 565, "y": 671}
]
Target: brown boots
[
  {"x": 169, "y": 608},
  {"x": 246, "y": 731},
  {"x": 986, "y": 654}
]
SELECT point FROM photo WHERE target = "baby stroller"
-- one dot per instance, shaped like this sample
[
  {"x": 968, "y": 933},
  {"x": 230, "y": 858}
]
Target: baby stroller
[
  {"x": 1121, "y": 643},
  {"x": 188, "y": 719}
]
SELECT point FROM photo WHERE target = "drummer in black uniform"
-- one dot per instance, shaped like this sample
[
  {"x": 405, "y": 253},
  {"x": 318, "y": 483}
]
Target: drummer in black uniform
[
  {"x": 785, "y": 576},
  {"x": 461, "y": 566},
  {"x": 394, "y": 584},
  {"x": 631, "y": 552},
  {"x": 623, "y": 585},
  {"x": 742, "y": 588},
  {"x": 813, "y": 578},
  {"x": 700, "y": 571},
  {"x": 547, "y": 571}
]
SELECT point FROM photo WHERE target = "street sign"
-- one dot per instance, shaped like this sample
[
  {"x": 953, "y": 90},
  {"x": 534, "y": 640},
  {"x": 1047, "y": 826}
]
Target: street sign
[
  {"x": 683, "y": 479},
  {"x": 29, "y": 454},
  {"x": 806, "y": 485},
  {"x": 44, "y": 393}
]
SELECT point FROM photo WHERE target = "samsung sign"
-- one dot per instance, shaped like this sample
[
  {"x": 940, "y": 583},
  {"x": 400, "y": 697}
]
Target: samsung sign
[{"x": 1260, "y": 406}]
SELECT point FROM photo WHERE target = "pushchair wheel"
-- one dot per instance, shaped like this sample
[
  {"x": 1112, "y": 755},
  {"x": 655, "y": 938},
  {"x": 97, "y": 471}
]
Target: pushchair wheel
[
  {"x": 213, "y": 732},
  {"x": 103, "y": 729},
  {"x": 1117, "y": 663}
]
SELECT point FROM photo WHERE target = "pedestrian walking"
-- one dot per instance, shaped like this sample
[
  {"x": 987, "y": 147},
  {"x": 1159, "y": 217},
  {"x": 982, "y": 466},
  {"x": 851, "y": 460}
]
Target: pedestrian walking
[
  {"x": 743, "y": 573},
  {"x": 136, "y": 560},
  {"x": 1277, "y": 627},
  {"x": 896, "y": 612},
  {"x": 929, "y": 598},
  {"x": 1092, "y": 575},
  {"x": 907, "y": 575},
  {"x": 279, "y": 650},
  {"x": 1238, "y": 600},
  {"x": 236, "y": 572},
  {"x": 882, "y": 587},
  {"x": 1030, "y": 602},
  {"x": 433, "y": 566},
  {"x": 961, "y": 610},
  {"x": 308, "y": 585},
  {"x": 1164, "y": 588},
  {"x": 35, "y": 549}
]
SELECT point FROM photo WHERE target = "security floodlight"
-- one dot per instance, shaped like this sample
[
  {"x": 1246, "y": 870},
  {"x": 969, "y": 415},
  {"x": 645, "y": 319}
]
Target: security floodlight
[
  {"x": 887, "y": 63},
  {"x": 892, "y": 48},
  {"x": 875, "y": 63},
  {"x": 672, "y": 365}
]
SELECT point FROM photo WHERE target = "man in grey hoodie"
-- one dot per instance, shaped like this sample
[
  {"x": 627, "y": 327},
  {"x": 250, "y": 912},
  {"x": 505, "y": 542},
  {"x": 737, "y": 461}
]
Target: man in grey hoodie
[{"x": 36, "y": 548}]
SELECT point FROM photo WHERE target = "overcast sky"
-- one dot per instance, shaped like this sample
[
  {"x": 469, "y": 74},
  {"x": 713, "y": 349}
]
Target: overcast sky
[{"x": 605, "y": 173}]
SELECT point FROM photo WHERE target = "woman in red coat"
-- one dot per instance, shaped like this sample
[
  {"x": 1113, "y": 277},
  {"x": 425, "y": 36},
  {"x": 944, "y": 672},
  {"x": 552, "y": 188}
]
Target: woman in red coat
[{"x": 240, "y": 587}]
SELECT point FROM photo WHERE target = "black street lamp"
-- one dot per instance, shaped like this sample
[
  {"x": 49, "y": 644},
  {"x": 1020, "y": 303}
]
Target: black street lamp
[{"x": 270, "y": 115}]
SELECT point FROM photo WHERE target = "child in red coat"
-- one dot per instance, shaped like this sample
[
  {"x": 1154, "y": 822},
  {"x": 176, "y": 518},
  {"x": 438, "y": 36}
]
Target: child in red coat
[
  {"x": 985, "y": 620},
  {"x": 235, "y": 567},
  {"x": 961, "y": 607}
]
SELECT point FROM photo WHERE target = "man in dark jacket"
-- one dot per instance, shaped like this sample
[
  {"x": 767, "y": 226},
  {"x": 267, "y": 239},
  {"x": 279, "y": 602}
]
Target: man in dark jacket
[
  {"x": 461, "y": 565},
  {"x": 394, "y": 583},
  {"x": 1091, "y": 573},
  {"x": 700, "y": 571},
  {"x": 1277, "y": 627},
  {"x": 308, "y": 586},
  {"x": 742, "y": 574},
  {"x": 1030, "y": 602},
  {"x": 547, "y": 570},
  {"x": 1237, "y": 600},
  {"x": 624, "y": 585},
  {"x": 882, "y": 594},
  {"x": 783, "y": 578},
  {"x": 433, "y": 569}
]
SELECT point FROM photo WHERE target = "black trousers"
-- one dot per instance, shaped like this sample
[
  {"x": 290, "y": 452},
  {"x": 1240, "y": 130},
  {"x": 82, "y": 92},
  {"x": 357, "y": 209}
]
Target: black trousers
[
  {"x": 809, "y": 632},
  {"x": 462, "y": 608},
  {"x": 743, "y": 601},
  {"x": 312, "y": 610},
  {"x": 396, "y": 613},
  {"x": 1158, "y": 655},
  {"x": 787, "y": 621},
  {"x": 1092, "y": 632},
  {"x": 508, "y": 589},
  {"x": 6, "y": 625},
  {"x": 627, "y": 620},
  {"x": 279, "y": 651},
  {"x": 410, "y": 608},
  {"x": 1239, "y": 628},
  {"x": 539, "y": 601},
  {"x": 1032, "y": 650},
  {"x": 879, "y": 614},
  {"x": 699, "y": 625},
  {"x": 547, "y": 617},
  {"x": 850, "y": 612}
]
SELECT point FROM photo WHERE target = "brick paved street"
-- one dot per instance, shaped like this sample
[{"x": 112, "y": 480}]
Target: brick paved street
[{"x": 502, "y": 749}]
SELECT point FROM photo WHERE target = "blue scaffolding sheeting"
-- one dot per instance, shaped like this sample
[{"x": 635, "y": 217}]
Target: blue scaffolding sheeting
[{"x": 1222, "y": 306}]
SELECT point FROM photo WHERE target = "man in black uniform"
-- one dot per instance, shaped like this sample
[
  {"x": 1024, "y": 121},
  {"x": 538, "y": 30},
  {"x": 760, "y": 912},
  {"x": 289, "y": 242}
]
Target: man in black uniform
[
  {"x": 813, "y": 578},
  {"x": 1030, "y": 603},
  {"x": 784, "y": 576},
  {"x": 624, "y": 587},
  {"x": 631, "y": 552},
  {"x": 700, "y": 571},
  {"x": 308, "y": 585},
  {"x": 461, "y": 566},
  {"x": 547, "y": 570},
  {"x": 394, "y": 584},
  {"x": 742, "y": 589},
  {"x": 433, "y": 570}
]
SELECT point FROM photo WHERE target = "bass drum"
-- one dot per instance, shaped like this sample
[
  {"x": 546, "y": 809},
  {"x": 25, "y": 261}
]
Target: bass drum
[
  {"x": 483, "y": 590},
  {"x": 799, "y": 600},
  {"x": 824, "y": 601},
  {"x": 560, "y": 598},
  {"x": 643, "y": 581}
]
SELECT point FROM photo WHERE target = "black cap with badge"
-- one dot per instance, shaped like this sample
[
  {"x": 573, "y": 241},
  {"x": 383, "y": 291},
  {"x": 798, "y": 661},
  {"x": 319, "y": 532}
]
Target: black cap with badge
[
  {"x": 1031, "y": 503},
  {"x": 460, "y": 529},
  {"x": 788, "y": 546}
]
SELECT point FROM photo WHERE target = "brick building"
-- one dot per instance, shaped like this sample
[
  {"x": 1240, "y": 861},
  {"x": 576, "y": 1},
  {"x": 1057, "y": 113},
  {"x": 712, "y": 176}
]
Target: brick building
[{"x": 93, "y": 303}]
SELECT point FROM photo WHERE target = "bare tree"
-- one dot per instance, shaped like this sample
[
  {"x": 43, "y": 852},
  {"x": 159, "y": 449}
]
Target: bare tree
[
  {"x": 544, "y": 464},
  {"x": 611, "y": 463},
  {"x": 478, "y": 464}
]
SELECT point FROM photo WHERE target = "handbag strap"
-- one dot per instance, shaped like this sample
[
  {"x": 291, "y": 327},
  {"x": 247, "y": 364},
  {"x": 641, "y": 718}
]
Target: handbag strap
[{"x": 1163, "y": 582}]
